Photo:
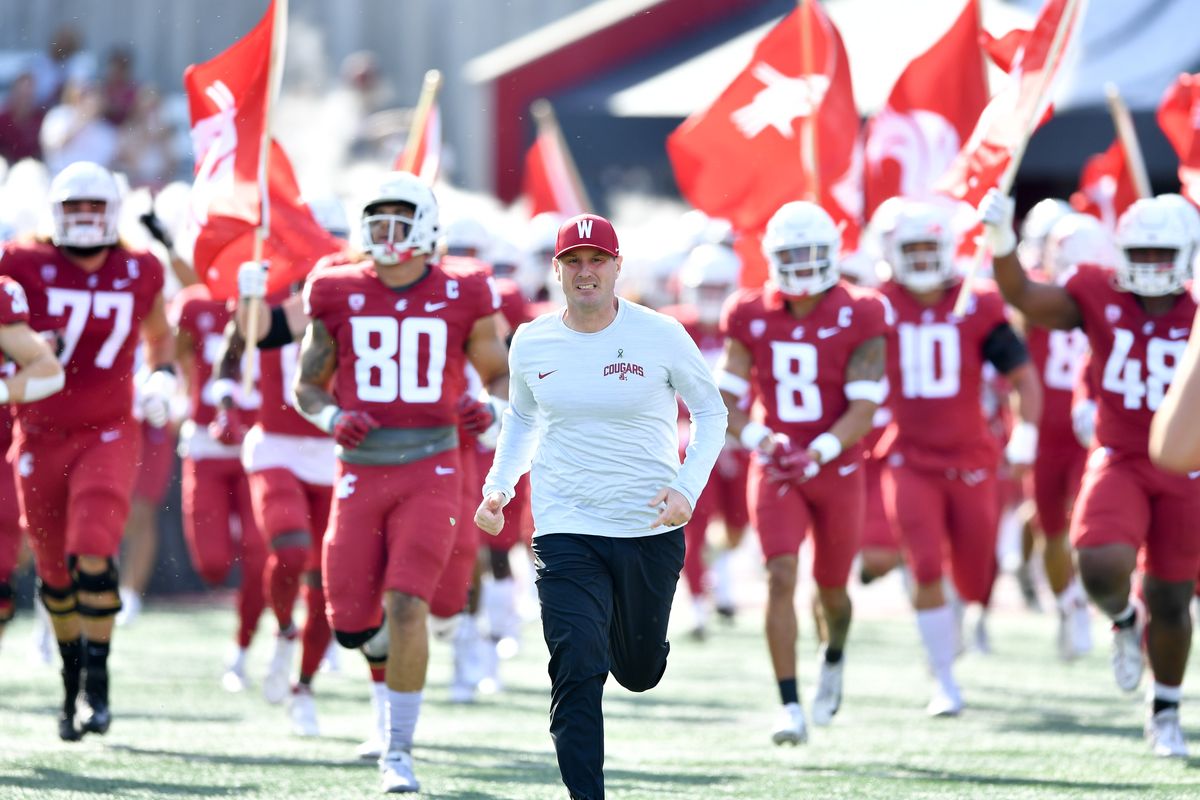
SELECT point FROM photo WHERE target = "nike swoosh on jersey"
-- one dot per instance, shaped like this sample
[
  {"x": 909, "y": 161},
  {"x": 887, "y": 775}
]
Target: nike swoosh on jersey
[
  {"x": 825, "y": 333},
  {"x": 443, "y": 470},
  {"x": 1179, "y": 333},
  {"x": 542, "y": 375},
  {"x": 121, "y": 284},
  {"x": 431, "y": 307},
  {"x": 847, "y": 469}
]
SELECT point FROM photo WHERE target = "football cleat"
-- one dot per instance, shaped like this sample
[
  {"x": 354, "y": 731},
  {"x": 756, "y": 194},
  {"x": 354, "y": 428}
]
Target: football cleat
[
  {"x": 277, "y": 683},
  {"x": 827, "y": 698},
  {"x": 92, "y": 714},
  {"x": 131, "y": 607},
  {"x": 1165, "y": 734},
  {"x": 67, "y": 731},
  {"x": 1074, "y": 631},
  {"x": 396, "y": 772},
  {"x": 947, "y": 700},
  {"x": 371, "y": 749},
  {"x": 790, "y": 727},
  {"x": 302, "y": 709},
  {"x": 1127, "y": 658},
  {"x": 234, "y": 678}
]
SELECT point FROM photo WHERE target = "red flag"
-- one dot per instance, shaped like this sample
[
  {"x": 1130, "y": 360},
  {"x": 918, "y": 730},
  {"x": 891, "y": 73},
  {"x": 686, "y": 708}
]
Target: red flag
[
  {"x": 931, "y": 111},
  {"x": 1106, "y": 186},
  {"x": 757, "y": 147},
  {"x": 427, "y": 159},
  {"x": 1179, "y": 118},
  {"x": 1003, "y": 50},
  {"x": 227, "y": 98},
  {"x": 550, "y": 182},
  {"x": 1005, "y": 123}
]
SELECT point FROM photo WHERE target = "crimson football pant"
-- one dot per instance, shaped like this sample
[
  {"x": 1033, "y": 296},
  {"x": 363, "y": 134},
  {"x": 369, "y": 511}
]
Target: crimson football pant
[
  {"x": 723, "y": 497},
  {"x": 949, "y": 513},
  {"x": 10, "y": 538},
  {"x": 73, "y": 489},
  {"x": 606, "y": 602},
  {"x": 1057, "y": 474},
  {"x": 292, "y": 516},
  {"x": 454, "y": 584},
  {"x": 213, "y": 490}
]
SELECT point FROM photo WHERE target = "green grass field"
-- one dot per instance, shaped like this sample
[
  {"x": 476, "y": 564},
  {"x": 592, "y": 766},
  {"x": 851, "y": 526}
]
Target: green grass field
[{"x": 1033, "y": 727}]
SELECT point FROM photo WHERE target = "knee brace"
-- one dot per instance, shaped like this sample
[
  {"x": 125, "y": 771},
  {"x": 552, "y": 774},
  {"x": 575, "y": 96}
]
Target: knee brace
[
  {"x": 6, "y": 602},
  {"x": 59, "y": 602},
  {"x": 352, "y": 640},
  {"x": 101, "y": 583}
]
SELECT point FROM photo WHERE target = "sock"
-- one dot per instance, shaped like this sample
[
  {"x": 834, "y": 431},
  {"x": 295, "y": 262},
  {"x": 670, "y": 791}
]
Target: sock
[
  {"x": 788, "y": 692},
  {"x": 403, "y": 708},
  {"x": 96, "y": 669},
  {"x": 1166, "y": 696},
  {"x": 939, "y": 634},
  {"x": 378, "y": 672},
  {"x": 1127, "y": 618},
  {"x": 1071, "y": 597},
  {"x": 722, "y": 580},
  {"x": 379, "y": 705},
  {"x": 832, "y": 655},
  {"x": 317, "y": 635},
  {"x": 72, "y": 659}
]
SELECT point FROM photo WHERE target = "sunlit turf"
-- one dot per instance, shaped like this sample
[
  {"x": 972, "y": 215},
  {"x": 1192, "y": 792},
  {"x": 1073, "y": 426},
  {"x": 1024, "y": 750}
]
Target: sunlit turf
[{"x": 1033, "y": 728}]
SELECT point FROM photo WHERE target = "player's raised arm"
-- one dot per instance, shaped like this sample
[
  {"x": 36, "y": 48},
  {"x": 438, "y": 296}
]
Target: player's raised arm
[{"x": 1042, "y": 304}]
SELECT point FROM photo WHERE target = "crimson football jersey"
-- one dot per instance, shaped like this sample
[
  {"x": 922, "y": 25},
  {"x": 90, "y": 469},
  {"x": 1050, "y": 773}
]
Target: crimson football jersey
[
  {"x": 193, "y": 310},
  {"x": 96, "y": 315},
  {"x": 935, "y": 368},
  {"x": 1134, "y": 355},
  {"x": 798, "y": 370},
  {"x": 401, "y": 353},
  {"x": 1059, "y": 358},
  {"x": 14, "y": 309}
]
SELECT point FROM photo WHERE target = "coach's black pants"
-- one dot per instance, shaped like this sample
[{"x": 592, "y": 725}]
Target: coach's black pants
[{"x": 605, "y": 607}]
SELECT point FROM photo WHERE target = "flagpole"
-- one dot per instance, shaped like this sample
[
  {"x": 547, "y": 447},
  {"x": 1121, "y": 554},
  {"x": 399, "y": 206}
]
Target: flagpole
[
  {"x": 547, "y": 124},
  {"x": 808, "y": 127},
  {"x": 1066, "y": 23},
  {"x": 1127, "y": 135},
  {"x": 263, "y": 231},
  {"x": 429, "y": 91}
]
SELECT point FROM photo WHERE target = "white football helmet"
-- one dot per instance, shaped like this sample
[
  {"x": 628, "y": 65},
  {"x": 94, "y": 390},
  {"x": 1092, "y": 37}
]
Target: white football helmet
[
  {"x": 1151, "y": 224},
  {"x": 1191, "y": 218},
  {"x": 85, "y": 180},
  {"x": 860, "y": 268},
  {"x": 1078, "y": 239},
  {"x": 708, "y": 275},
  {"x": 467, "y": 233},
  {"x": 928, "y": 269},
  {"x": 801, "y": 246},
  {"x": 1036, "y": 226},
  {"x": 330, "y": 214},
  {"x": 393, "y": 238}
]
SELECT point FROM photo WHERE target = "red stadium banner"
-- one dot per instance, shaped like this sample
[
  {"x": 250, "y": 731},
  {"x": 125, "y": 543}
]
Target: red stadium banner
[
  {"x": 426, "y": 159},
  {"x": 1008, "y": 120},
  {"x": 227, "y": 99},
  {"x": 1106, "y": 186},
  {"x": 931, "y": 111},
  {"x": 1179, "y": 118},
  {"x": 784, "y": 129}
]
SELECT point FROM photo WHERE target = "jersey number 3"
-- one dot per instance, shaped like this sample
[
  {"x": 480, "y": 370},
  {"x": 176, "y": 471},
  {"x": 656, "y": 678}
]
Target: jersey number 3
[{"x": 389, "y": 354}]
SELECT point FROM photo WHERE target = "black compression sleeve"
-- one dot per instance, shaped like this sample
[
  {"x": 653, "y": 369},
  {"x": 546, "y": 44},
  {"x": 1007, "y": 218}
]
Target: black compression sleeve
[
  {"x": 280, "y": 332},
  {"x": 1005, "y": 349}
]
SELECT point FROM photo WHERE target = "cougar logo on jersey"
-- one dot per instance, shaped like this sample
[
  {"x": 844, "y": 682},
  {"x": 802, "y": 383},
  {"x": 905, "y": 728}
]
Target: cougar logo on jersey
[
  {"x": 131, "y": 267},
  {"x": 25, "y": 465},
  {"x": 205, "y": 321},
  {"x": 1112, "y": 313},
  {"x": 401, "y": 305},
  {"x": 356, "y": 301},
  {"x": 922, "y": 142},
  {"x": 758, "y": 327},
  {"x": 49, "y": 273},
  {"x": 798, "y": 332},
  {"x": 345, "y": 486},
  {"x": 1148, "y": 328}
]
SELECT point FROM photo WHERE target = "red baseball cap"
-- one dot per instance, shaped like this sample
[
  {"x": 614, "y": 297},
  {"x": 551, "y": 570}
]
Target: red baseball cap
[{"x": 587, "y": 230}]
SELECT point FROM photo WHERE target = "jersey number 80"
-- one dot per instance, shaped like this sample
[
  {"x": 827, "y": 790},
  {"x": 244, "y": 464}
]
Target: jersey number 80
[{"x": 387, "y": 358}]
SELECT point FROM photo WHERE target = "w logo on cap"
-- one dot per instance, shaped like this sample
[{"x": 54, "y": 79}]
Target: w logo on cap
[{"x": 584, "y": 228}]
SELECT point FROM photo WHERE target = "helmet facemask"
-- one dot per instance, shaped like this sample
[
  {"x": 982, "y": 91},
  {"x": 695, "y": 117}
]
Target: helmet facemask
[
  {"x": 1153, "y": 271},
  {"x": 921, "y": 266},
  {"x": 804, "y": 270},
  {"x": 389, "y": 237},
  {"x": 78, "y": 223}
]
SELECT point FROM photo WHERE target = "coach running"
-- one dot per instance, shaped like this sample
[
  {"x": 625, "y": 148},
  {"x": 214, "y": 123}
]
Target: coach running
[{"x": 593, "y": 410}]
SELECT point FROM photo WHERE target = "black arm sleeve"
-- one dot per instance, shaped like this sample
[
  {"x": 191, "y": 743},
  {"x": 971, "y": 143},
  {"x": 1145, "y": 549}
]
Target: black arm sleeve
[
  {"x": 1005, "y": 349},
  {"x": 280, "y": 333}
]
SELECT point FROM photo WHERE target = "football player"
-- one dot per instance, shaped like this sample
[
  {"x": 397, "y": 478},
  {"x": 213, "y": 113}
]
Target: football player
[
  {"x": 811, "y": 349},
  {"x": 1137, "y": 323}
]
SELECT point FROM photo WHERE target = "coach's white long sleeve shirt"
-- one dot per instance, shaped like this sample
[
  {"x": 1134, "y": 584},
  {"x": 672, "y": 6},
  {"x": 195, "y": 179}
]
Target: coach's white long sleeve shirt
[{"x": 596, "y": 417}]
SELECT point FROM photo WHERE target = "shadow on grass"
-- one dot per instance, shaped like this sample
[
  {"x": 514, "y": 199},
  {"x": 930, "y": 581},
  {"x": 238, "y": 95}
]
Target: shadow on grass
[
  {"x": 120, "y": 715},
  {"x": 269, "y": 760},
  {"x": 904, "y": 772},
  {"x": 45, "y": 779}
]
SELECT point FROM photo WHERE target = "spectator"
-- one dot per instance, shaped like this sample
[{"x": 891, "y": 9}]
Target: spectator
[
  {"x": 146, "y": 148},
  {"x": 63, "y": 59},
  {"x": 21, "y": 121},
  {"x": 120, "y": 90},
  {"x": 76, "y": 130}
]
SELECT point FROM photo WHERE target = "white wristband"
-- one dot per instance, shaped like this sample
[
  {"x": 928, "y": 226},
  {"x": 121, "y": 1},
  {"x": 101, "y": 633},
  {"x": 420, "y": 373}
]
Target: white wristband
[
  {"x": 39, "y": 388},
  {"x": 827, "y": 446},
  {"x": 3, "y": 392},
  {"x": 324, "y": 418},
  {"x": 1022, "y": 444},
  {"x": 735, "y": 385},
  {"x": 753, "y": 435},
  {"x": 223, "y": 389},
  {"x": 875, "y": 391}
]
